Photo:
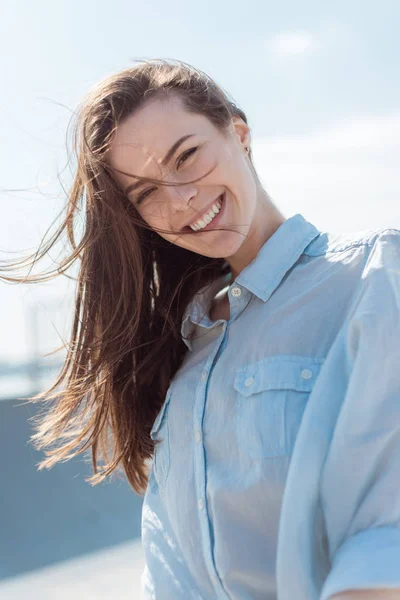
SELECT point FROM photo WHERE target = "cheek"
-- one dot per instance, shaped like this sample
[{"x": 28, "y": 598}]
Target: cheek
[
  {"x": 244, "y": 195},
  {"x": 240, "y": 186},
  {"x": 236, "y": 174},
  {"x": 155, "y": 214}
]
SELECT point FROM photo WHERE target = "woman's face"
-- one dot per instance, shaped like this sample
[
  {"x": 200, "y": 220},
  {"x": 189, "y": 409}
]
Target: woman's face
[{"x": 162, "y": 140}]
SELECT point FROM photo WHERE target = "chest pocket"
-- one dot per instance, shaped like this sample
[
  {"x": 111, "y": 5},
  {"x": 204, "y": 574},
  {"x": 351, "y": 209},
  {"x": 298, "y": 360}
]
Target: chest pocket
[
  {"x": 271, "y": 396},
  {"x": 161, "y": 459}
]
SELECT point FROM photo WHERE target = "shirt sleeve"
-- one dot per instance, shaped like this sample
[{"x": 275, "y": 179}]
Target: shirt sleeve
[{"x": 360, "y": 480}]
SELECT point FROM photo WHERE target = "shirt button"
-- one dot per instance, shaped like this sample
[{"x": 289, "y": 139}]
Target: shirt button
[
  {"x": 306, "y": 374},
  {"x": 201, "y": 504},
  {"x": 204, "y": 375},
  {"x": 198, "y": 436},
  {"x": 249, "y": 381},
  {"x": 236, "y": 291}
]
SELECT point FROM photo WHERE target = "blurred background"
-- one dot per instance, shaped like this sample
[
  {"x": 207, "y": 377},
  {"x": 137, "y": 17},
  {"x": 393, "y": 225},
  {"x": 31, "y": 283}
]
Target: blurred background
[{"x": 320, "y": 85}]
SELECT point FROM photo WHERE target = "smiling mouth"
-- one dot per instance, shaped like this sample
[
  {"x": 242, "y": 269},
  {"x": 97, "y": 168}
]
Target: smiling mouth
[{"x": 217, "y": 217}]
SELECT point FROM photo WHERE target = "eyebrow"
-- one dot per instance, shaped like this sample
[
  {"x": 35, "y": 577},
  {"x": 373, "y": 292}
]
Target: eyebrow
[{"x": 164, "y": 161}]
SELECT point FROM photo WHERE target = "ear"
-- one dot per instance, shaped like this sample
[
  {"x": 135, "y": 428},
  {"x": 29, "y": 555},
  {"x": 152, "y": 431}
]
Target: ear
[{"x": 241, "y": 131}]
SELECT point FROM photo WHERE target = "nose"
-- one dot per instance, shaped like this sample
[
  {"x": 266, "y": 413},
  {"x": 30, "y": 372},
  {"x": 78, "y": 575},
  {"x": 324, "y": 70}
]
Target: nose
[{"x": 180, "y": 196}]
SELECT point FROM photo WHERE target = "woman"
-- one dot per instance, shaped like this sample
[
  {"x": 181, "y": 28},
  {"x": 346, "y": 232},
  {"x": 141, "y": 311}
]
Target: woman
[{"x": 228, "y": 343}]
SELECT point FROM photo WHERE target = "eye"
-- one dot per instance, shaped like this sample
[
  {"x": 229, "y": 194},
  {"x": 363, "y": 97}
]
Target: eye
[
  {"x": 185, "y": 155},
  {"x": 144, "y": 195}
]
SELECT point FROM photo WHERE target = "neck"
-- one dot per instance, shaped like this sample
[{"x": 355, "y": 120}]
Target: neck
[{"x": 267, "y": 219}]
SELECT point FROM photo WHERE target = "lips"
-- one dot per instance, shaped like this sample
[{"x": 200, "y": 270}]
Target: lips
[{"x": 204, "y": 212}]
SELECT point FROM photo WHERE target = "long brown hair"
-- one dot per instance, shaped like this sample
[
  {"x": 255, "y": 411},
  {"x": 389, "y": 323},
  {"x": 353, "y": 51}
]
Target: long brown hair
[{"x": 132, "y": 287}]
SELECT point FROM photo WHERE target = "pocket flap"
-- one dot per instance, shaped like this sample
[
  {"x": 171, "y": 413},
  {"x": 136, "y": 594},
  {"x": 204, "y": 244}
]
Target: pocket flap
[
  {"x": 278, "y": 372},
  {"x": 159, "y": 418}
]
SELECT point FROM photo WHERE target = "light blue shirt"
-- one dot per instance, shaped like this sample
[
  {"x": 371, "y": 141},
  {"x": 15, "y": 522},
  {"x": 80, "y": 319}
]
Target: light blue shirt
[{"x": 278, "y": 476}]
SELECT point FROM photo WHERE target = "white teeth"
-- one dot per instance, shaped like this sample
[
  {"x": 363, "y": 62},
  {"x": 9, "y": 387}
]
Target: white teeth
[{"x": 208, "y": 217}]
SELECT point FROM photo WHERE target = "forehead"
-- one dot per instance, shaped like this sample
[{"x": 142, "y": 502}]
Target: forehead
[{"x": 151, "y": 130}]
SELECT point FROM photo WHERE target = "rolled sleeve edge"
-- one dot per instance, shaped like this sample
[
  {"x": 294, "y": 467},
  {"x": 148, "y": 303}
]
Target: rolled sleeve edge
[{"x": 367, "y": 559}]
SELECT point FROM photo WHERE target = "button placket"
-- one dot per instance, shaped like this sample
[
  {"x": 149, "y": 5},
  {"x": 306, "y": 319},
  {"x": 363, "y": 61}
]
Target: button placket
[
  {"x": 236, "y": 291},
  {"x": 198, "y": 433},
  {"x": 239, "y": 298},
  {"x": 199, "y": 454}
]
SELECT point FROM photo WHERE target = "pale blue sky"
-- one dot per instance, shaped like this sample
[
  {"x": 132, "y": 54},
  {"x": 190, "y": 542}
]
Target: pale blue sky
[{"x": 318, "y": 82}]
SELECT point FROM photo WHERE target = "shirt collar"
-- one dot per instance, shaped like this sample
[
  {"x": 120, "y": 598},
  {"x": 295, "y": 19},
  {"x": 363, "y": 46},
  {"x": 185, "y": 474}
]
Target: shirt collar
[{"x": 261, "y": 276}]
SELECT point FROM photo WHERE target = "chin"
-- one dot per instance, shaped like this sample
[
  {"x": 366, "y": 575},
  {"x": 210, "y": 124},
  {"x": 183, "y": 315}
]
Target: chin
[{"x": 224, "y": 248}]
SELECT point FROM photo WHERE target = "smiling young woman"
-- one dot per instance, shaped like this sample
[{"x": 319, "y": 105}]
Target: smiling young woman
[{"x": 215, "y": 344}]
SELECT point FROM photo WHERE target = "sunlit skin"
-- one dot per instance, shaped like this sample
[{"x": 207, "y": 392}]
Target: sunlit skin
[{"x": 139, "y": 147}]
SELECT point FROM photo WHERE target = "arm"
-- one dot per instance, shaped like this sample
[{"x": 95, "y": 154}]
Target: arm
[
  {"x": 368, "y": 595},
  {"x": 360, "y": 480}
]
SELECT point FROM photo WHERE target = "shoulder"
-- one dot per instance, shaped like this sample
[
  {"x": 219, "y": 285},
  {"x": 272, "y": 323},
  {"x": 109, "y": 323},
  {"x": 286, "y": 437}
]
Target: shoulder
[
  {"x": 379, "y": 288},
  {"x": 374, "y": 315},
  {"x": 364, "y": 240},
  {"x": 369, "y": 262},
  {"x": 363, "y": 253}
]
